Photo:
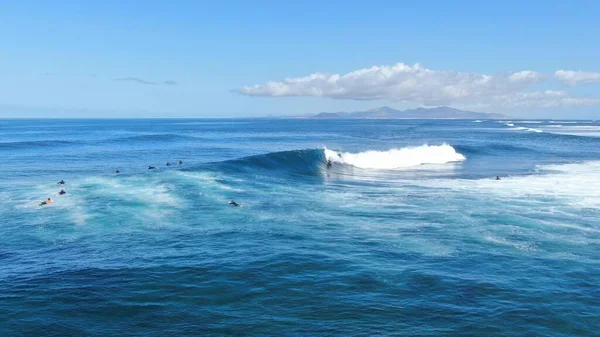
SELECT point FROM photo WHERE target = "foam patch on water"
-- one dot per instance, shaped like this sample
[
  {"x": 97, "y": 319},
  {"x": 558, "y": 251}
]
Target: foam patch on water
[
  {"x": 574, "y": 130},
  {"x": 136, "y": 189},
  {"x": 397, "y": 158},
  {"x": 522, "y": 128},
  {"x": 575, "y": 185},
  {"x": 523, "y": 246},
  {"x": 534, "y": 130},
  {"x": 210, "y": 180}
]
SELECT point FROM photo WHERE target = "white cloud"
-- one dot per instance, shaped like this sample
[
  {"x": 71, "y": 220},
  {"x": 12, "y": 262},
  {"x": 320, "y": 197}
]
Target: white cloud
[
  {"x": 577, "y": 77},
  {"x": 400, "y": 82},
  {"x": 524, "y": 76},
  {"x": 416, "y": 84},
  {"x": 540, "y": 99}
]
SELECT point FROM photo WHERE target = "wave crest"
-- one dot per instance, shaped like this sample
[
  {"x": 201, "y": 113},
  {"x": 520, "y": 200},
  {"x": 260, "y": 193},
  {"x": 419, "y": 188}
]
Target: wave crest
[{"x": 397, "y": 158}]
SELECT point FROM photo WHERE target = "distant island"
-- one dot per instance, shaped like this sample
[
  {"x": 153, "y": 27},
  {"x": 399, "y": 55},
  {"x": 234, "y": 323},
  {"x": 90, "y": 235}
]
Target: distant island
[{"x": 385, "y": 112}]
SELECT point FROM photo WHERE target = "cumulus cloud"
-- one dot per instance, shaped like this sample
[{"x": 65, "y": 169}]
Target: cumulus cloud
[
  {"x": 142, "y": 81},
  {"x": 399, "y": 82},
  {"x": 540, "y": 99},
  {"x": 417, "y": 84},
  {"x": 572, "y": 78}
]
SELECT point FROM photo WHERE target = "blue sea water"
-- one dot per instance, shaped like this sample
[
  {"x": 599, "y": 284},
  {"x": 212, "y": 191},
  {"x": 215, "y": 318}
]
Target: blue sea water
[{"x": 406, "y": 233}]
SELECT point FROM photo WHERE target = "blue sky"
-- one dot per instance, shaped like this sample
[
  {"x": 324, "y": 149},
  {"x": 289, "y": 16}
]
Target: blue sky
[{"x": 112, "y": 58}]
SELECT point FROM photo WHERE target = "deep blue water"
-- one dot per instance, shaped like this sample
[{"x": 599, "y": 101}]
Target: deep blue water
[{"x": 406, "y": 233}]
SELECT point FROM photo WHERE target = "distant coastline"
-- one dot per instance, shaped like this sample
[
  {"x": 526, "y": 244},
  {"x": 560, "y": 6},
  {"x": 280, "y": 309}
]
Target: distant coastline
[{"x": 386, "y": 112}]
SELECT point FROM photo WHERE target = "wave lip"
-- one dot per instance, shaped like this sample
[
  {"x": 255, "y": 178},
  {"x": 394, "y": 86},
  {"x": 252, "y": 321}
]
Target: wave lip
[
  {"x": 526, "y": 129},
  {"x": 397, "y": 158}
]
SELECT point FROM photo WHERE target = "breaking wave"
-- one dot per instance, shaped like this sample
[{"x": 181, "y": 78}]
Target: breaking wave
[
  {"x": 311, "y": 161},
  {"x": 397, "y": 158}
]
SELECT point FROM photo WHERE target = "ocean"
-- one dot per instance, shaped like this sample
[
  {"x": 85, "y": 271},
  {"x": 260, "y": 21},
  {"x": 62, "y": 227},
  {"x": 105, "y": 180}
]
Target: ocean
[{"x": 346, "y": 228}]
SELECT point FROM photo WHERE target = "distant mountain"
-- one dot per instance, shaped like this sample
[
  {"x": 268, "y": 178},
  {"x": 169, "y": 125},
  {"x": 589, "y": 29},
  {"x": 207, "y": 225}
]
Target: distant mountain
[{"x": 443, "y": 112}]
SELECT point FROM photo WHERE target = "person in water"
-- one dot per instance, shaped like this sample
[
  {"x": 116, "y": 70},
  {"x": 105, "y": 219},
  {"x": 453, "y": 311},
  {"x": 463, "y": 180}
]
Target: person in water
[
  {"x": 46, "y": 202},
  {"x": 233, "y": 203},
  {"x": 62, "y": 192},
  {"x": 117, "y": 170},
  {"x": 180, "y": 162},
  {"x": 152, "y": 167},
  {"x": 168, "y": 164},
  {"x": 62, "y": 182},
  {"x": 328, "y": 163},
  {"x": 497, "y": 177}
]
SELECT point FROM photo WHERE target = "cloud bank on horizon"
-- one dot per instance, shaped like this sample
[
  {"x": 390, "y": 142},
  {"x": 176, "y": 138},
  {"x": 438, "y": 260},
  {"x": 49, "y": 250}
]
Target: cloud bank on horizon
[{"x": 417, "y": 84}]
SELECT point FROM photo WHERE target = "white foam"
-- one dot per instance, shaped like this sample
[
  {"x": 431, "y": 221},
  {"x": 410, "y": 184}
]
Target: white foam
[
  {"x": 158, "y": 194},
  {"x": 397, "y": 158},
  {"x": 575, "y": 130},
  {"x": 585, "y": 127},
  {"x": 524, "y": 246},
  {"x": 210, "y": 180},
  {"x": 520, "y": 128},
  {"x": 510, "y": 124},
  {"x": 79, "y": 215},
  {"x": 135, "y": 188},
  {"x": 574, "y": 185}
]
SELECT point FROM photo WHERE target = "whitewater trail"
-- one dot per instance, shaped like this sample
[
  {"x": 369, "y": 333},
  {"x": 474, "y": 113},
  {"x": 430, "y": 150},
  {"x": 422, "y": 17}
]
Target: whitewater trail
[
  {"x": 524, "y": 128},
  {"x": 572, "y": 184},
  {"x": 397, "y": 158}
]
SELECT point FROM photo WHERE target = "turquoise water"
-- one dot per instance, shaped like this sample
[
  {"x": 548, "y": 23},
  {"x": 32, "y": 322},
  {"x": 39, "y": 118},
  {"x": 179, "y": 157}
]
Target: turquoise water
[{"x": 406, "y": 233}]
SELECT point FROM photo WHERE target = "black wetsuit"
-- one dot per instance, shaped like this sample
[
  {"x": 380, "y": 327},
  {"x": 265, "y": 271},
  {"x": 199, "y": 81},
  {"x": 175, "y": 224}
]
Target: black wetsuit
[
  {"x": 151, "y": 168},
  {"x": 233, "y": 203},
  {"x": 62, "y": 192}
]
